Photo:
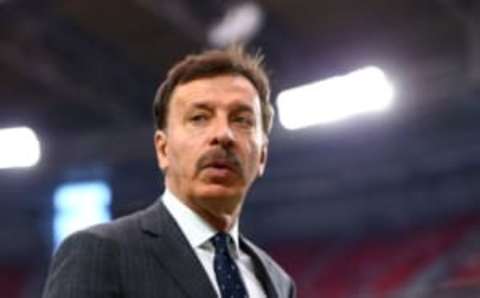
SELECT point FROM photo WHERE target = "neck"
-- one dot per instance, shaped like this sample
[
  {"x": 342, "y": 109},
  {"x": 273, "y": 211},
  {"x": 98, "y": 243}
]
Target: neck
[
  {"x": 220, "y": 222},
  {"x": 220, "y": 213}
]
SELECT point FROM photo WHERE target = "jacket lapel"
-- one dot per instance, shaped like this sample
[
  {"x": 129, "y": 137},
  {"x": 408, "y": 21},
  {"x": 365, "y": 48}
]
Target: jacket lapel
[
  {"x": 264, "y": 271},
  {"x": 172, "y": 250}
]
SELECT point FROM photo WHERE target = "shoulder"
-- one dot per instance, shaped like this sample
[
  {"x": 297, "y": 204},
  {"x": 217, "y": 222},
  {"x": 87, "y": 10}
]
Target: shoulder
[
  {"x": 99, "y": 239},
  {"x": 126, "y": 228},
  {"x": 115, "y": 230},
  {"x": 87, "y": 262},
  {"x": 106, "y": 238}
]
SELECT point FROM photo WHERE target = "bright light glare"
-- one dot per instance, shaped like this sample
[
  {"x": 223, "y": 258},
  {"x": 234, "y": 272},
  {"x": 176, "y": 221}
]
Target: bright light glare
[
  {"x": 78, "y": 206},
  {"x": 19, "y": 147},
  {"x": 364, "y": 90},
  {"x": 240, "y": 24}
]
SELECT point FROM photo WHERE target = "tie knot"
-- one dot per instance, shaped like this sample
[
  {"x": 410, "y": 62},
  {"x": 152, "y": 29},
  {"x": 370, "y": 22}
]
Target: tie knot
[{"x": 220, "y": 240}]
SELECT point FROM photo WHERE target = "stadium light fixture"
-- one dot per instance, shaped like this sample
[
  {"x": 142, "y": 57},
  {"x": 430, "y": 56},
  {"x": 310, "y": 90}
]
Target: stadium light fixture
[
  {"x": 78, "y": 206},
  {"x": 240, "y": 23},
  {"x": 337, "y": 98},
  {"x": 19, "y": 148}
]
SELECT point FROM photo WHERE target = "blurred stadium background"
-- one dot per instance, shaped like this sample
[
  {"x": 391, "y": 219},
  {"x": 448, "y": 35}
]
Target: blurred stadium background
[{"x": 381, "y": 205}]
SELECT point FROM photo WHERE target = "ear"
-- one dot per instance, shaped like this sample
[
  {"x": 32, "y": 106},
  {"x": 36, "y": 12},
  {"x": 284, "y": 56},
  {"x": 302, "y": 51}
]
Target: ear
[
  {"x": 160, "y": 142},
  {"x": 263, "y": 159}
]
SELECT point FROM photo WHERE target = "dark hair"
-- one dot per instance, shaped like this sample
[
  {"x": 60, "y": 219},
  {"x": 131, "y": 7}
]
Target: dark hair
[{"x": 233, "y": 60}]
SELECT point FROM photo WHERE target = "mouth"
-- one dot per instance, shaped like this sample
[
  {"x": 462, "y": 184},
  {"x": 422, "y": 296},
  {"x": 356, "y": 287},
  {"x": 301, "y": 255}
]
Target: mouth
[{"x": 221, "y": 166}]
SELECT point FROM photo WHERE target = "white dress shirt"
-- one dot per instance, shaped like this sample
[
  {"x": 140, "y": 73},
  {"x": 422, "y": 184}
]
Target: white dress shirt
[{"x": 198, "y": 233}]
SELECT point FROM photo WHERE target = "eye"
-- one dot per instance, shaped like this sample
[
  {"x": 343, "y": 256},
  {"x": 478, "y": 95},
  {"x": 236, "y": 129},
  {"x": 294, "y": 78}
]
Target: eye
[
  {"x": 244, "y": 120},
  {"x": 198, "y": 118}
]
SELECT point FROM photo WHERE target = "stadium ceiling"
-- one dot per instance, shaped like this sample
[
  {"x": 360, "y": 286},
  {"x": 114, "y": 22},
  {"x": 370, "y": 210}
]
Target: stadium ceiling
[{"x": 83, "y": 73}]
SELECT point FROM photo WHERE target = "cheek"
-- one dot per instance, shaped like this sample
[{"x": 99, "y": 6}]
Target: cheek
[
  {"x": 185, "y": 154},
  {"x": 252, "y": 154}
]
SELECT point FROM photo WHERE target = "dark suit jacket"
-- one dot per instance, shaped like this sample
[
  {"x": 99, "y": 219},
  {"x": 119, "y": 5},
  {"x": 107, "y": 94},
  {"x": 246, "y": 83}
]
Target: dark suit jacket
[{"x": 144, "y": 255}]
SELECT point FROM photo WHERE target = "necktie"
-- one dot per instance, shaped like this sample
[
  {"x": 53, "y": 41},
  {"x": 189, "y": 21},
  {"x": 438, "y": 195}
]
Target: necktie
[{"x": 226, "y": 271}]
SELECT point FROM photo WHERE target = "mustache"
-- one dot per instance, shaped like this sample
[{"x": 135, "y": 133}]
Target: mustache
[{"x": 220, "y": 155}]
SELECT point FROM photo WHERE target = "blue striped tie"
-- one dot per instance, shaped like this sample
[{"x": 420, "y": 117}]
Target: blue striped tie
[{"x": 228, "y": 275}]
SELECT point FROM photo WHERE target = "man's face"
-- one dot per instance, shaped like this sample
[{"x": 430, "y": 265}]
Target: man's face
[{"x": 213, "y": 147}]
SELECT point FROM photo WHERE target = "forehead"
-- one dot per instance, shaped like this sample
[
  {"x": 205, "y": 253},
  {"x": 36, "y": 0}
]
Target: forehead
[{"x": 225, "y": 89}]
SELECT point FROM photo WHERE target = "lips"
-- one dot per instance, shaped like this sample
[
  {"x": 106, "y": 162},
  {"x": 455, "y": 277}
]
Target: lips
[{"x": 221, "y": 165}]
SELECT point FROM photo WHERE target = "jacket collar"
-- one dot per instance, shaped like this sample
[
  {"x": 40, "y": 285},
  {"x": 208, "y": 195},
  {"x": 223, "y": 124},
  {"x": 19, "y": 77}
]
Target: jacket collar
[
  {"x": 172, "y": 250},
  {"x": 264, "y": 271}
]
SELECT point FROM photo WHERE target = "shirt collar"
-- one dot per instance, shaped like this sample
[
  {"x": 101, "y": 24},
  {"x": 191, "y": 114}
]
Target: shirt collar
[{"x": 197, "y": 231}]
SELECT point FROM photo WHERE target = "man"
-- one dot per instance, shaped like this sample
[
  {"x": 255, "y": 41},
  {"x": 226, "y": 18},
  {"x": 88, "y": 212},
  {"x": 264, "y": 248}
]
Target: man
[{"x": 212, "y": 117}]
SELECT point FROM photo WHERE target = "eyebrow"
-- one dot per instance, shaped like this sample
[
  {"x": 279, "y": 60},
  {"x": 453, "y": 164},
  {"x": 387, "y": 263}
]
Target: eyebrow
[
  {"x": 237, "y": 107},
  {"x": 242, "y": 108},
  {"x": 201, "y": 106}
]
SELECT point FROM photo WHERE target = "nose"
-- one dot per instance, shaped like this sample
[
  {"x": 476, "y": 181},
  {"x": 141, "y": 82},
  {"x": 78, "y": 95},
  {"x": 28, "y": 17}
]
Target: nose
[{"x": 223, "y": 134}]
